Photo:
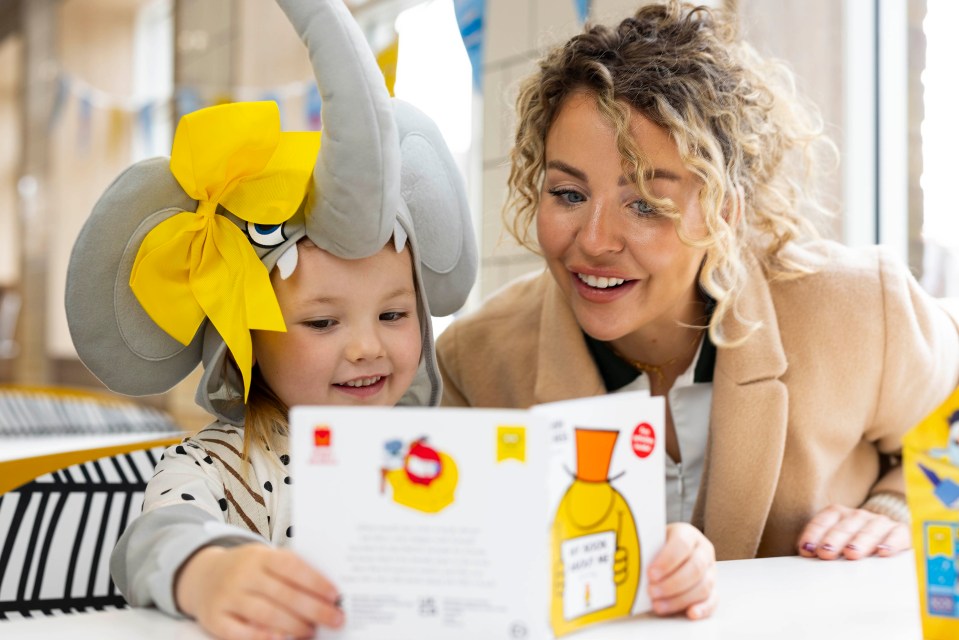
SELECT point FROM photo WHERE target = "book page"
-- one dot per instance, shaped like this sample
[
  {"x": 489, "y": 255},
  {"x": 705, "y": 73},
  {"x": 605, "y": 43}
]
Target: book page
[
  {"x": 607, "y": 505},
  {"x": 431, "y": 522}
]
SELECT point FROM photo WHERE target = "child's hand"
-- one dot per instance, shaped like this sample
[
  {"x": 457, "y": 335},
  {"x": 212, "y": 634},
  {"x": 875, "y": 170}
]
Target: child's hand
[
  {"x": 255, "y": 592},
  {"x": 853, "y": 534},
  {"x": 682, "y": 576}
]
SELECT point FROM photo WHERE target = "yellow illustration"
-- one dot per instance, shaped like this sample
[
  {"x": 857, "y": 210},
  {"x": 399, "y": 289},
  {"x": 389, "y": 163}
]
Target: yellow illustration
[
  {"x": 420, "y": 476},
  {"x": 595, "y": 545},
  {"x": 510, "y": 443},
  {"x": 931, "y": 467}
]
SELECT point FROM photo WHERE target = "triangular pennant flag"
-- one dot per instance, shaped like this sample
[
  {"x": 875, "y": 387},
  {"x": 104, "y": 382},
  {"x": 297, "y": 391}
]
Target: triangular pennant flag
[
  {"x": 314, "y": 108},
  {"x": 85, "y": 114},
  {"x": 582, "y": 10},
  {"x": 145, "y": 121},
  {"x": 469, "y": 17},
  {"x": 187, "y": 101},
  {"x": 118, "y": 119},
  {"x": 59, "y": 98}
]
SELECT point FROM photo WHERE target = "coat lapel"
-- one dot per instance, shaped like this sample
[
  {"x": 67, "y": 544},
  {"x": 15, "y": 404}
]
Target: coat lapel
[
  {"x": 749, "y": 411},
  {"x": 747, "y": 429}
]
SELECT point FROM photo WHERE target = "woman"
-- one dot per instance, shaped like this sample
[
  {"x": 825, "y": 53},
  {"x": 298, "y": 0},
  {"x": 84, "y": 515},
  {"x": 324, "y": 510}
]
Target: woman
[{"x": 669, "y": 172}]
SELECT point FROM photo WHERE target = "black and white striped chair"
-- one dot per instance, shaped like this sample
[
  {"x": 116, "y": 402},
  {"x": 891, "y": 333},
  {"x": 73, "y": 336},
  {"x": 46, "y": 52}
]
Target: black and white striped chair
[{"x": 61, "y": 514}]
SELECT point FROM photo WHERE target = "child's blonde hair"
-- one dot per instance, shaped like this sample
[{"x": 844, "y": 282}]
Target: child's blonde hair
[{"x": 265, "y": 421}]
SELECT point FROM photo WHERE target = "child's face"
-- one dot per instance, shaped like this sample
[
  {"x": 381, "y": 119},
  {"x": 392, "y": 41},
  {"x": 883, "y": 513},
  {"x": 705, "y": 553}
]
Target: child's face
[{"x": 352, "y": 330}]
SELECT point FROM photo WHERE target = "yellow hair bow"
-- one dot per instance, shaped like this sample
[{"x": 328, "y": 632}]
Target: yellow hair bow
[{"x": 197, "y": 265}]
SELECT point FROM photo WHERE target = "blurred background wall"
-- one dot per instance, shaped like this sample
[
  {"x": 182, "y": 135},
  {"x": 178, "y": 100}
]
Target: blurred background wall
[{"x": 89, "y": 86}]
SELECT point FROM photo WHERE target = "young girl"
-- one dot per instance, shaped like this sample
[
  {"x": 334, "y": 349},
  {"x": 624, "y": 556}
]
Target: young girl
[{"x": 290, "y": 291}]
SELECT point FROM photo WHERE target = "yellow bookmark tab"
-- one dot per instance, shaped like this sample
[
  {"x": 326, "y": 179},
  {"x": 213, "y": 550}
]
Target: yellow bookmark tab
[{"x": 510, "y": 443}]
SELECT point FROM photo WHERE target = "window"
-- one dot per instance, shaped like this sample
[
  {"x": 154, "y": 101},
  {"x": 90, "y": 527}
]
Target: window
[
  {"x": 940, "y": 139},
  {"x": 153, "y": 79},
  {"x": 434, "y": 74}
]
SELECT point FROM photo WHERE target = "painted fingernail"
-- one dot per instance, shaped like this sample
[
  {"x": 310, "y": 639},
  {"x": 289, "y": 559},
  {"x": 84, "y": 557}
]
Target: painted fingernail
[
  {"x": 655, "y": 592},
  {"x": 883, "y": 548},
  {"x": 695, "y": 613},
  {"x": 809, "y": 546},
  {"x": 828, "y": 548},
  {"x": 654, "y": 574},
  {"x": 852, "y": 547}
]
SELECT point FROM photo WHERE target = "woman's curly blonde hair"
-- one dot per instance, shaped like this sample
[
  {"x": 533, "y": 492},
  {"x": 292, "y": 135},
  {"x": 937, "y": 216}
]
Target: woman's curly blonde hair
[{"x": 736, "y": 118}]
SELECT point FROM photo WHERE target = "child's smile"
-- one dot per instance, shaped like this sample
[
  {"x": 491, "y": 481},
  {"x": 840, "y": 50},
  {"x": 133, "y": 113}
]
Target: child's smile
[{"x": 362, "y": 387}]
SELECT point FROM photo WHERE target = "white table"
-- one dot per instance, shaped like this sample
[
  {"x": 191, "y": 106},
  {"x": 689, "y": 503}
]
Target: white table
[
  {"x": 777, "y": 598},
  {"x": 14, "y": 448}
]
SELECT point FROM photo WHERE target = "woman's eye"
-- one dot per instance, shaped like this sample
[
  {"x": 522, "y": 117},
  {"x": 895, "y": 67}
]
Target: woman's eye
[
  {"x": 393, "y": 316},
  {"x": 643, "y": 208},
  {"x": 265, "y": 235},
  {"x": 324, "y": 323},
  {"x": 568, "y": 196}
]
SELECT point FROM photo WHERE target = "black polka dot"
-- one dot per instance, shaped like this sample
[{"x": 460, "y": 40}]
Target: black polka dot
[
  {"x": 163, "y": 493},
  {"x": 195, "y": 446},
  {"x": 268, "y": 486},
  {"x": 268, "y": 519},
  {"x": 287, "y": 480},
  {"x": 187, "y": 496},
  {"x": 180, "y": 450},
  {"x": 196, "y": 463},
  {"x": 222, "y": 502},
  {"x": 208, "y": 460},
  {"x": 289, "y": 532},
  {"x": 162, "y": 456},
  {"x": 285, "y": 459}
]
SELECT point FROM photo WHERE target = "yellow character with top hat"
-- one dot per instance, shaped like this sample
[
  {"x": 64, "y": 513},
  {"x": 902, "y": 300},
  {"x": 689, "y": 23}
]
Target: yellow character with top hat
[{"x": 595, "y": 544}]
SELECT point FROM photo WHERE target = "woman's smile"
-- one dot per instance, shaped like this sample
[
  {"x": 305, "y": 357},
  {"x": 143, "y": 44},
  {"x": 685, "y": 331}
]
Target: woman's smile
[{"x": 601, "y": 289}]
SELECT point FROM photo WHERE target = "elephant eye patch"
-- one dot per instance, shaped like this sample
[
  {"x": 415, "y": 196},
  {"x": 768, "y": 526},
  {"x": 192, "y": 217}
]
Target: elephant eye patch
[{"x": 265, "y": 235}]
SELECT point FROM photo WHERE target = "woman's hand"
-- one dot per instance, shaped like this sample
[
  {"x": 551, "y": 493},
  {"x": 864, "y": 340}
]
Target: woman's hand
[
  {"x": 853, "y": 534},
  {"x": 682, "y": 576},
  {"x": 254, "y": 592}
]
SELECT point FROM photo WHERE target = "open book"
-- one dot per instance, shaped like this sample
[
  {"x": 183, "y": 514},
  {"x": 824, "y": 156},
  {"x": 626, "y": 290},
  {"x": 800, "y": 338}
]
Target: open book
[{"x": 481, "y": 523}]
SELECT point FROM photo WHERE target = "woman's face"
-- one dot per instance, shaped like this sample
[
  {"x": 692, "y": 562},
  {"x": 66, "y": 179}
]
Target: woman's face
[
  {"x": 622, "y": 267},
  {"x": 352, "y": 330}
]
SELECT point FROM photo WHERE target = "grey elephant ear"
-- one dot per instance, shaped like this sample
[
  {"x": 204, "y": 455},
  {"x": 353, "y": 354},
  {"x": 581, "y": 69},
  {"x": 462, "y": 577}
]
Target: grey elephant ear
[
  {"x": 114, "y": 336},
  {"x": 435, "y": 196},
  {"x": 356, "y": 179}
]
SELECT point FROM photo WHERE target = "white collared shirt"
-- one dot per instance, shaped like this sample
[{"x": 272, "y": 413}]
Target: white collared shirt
[{"x": 690, "y": 404}]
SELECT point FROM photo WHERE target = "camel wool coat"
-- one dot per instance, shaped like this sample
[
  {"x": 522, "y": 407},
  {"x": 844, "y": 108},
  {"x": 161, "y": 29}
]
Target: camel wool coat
[{"x": 845, "y": 361}]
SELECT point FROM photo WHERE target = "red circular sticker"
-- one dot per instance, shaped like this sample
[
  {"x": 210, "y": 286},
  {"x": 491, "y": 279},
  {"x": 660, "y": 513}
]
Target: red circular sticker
[{"x": 644, "y": 439}]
